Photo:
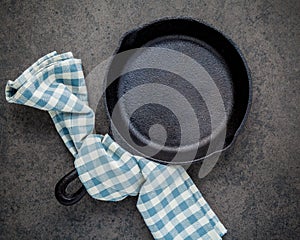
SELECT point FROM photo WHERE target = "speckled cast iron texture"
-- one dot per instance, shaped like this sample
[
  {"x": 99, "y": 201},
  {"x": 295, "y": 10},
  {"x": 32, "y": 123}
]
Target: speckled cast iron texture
[{"x": 211, "y": 50}]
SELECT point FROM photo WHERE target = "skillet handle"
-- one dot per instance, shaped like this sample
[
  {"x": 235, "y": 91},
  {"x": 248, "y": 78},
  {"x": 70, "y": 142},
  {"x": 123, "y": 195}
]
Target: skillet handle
[{"x": 60, "y": 190}]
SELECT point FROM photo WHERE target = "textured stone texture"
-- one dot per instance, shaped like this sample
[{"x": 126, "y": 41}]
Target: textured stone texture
[{"x": 254, "y": 188}]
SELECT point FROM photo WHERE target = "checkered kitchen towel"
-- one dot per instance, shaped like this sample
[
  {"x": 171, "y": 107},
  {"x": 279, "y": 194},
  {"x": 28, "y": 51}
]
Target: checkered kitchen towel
[{"x": 169, "y": 201}]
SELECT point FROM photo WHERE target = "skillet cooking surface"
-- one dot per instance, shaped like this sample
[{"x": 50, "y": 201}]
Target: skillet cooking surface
[{"x": 154, "y": 122}]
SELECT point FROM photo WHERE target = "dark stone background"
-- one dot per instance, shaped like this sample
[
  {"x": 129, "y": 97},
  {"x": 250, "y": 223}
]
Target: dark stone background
[{"x": 254, "y": 189}]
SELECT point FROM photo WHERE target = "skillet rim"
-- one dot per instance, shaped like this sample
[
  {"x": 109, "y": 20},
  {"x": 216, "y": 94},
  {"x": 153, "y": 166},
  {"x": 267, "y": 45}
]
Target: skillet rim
[{"x": 235, "y": 47}]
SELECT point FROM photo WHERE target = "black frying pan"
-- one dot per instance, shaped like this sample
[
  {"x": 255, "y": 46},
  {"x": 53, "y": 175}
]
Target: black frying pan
[{"x": 211, "y": 50}]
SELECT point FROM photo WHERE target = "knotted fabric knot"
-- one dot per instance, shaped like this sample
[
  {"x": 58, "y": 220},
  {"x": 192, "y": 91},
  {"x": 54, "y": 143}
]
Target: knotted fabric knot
[
  {"x": 108, "y": 172},
  {"x": 169, "y": 201}
]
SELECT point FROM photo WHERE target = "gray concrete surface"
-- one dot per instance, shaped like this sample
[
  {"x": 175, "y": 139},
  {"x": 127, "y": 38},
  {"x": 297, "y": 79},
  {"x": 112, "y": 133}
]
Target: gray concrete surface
[{"x": 254, "y": 188}]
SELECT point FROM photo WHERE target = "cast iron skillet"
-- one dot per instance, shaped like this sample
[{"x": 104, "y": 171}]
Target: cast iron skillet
[{"x": 221, "y": 59}]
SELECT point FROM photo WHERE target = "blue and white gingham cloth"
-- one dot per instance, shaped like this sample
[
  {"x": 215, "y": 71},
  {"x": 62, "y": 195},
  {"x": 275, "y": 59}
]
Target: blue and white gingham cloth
[{"x": 169, "y": 201}]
